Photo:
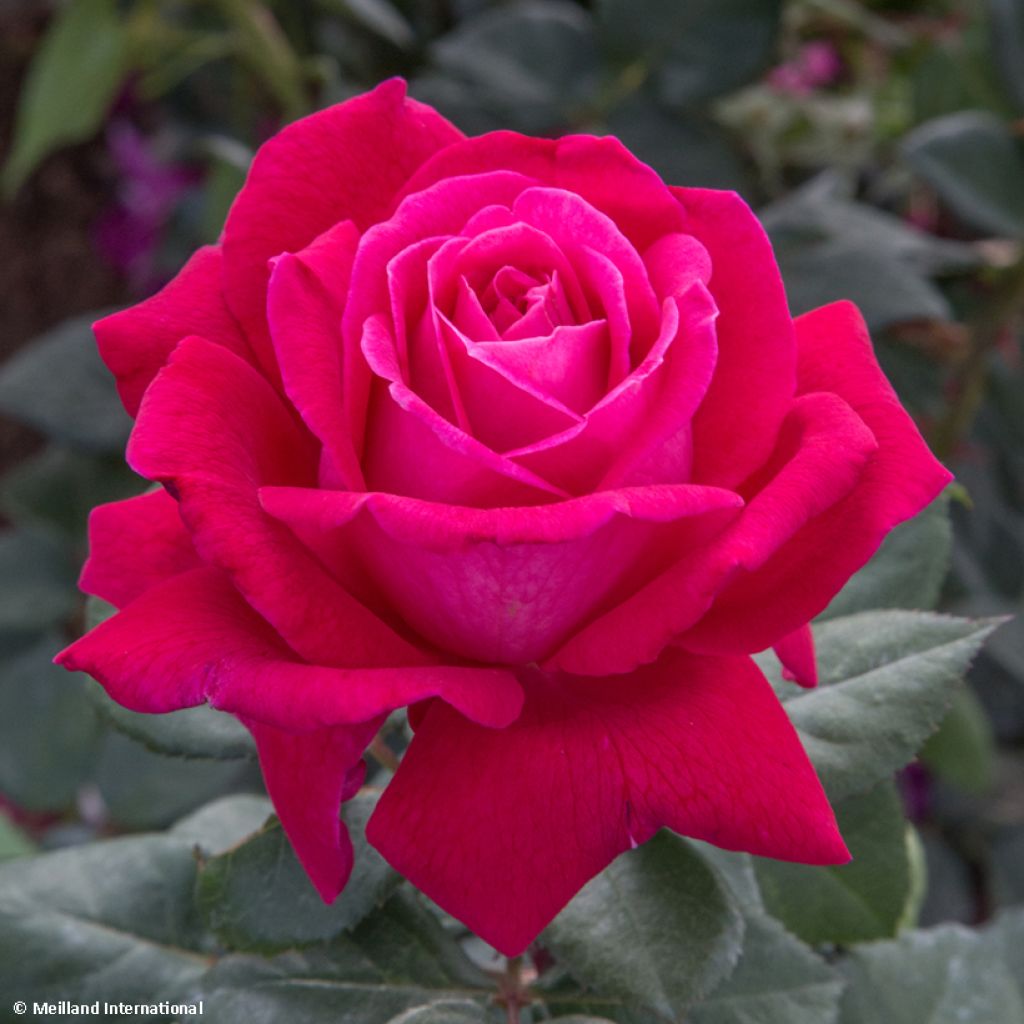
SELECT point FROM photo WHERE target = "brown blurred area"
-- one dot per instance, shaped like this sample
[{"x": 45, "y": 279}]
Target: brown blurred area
[{"x": 48, "y": 267}]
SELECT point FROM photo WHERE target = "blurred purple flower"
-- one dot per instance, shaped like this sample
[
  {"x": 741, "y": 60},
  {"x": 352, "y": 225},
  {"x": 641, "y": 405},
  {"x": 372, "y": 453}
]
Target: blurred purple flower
[
  {"x": 818, "y": 63},
  {"x": 129, "y": 232}
]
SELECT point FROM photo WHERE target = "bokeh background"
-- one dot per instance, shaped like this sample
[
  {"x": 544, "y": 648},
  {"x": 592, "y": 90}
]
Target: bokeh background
[{"x": 881, "y": 141}]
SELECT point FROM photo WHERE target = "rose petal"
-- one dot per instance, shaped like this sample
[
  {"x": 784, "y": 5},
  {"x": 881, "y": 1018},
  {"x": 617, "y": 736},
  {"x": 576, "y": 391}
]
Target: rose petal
[
  {"x": 136, "y": 342},
  {"x": 502, "y": 828},
  {"x": 135, "y": 544},
  {"x": 796, "y": 652},
  {"x": 347, "y": 162},
  {"x": 193, "y": 639},
  {"x": 439, "y": 211},
  {"x": 504, "y": 585},
  {"x": 307, "y": 777},
  {"x": 823, "y": 449},
  {"x": 640, "y": 431},
  {"x": 802, "y": 576},
  {"x": 600, "y": 170},
  {"x": 213, "y": 430},
  {"x": 305, "y": 301},
  {"x": 412, "y": 449},
  {"x": 738, "y": 422}
]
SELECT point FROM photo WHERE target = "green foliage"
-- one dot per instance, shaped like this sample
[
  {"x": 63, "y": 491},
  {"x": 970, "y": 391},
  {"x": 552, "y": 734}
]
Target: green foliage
[
  {"x": 70, "y": 86},
  {"x": 60, "y": 386},
  {"x": 887, "y": 680},
  {"x": 257, "y": 896},
  {"x": 939, "y": 976},
  {"x": 683, "y": 46},
  {"x": 657, "y": 928},
  {"x": 975, "y": 163},
  {"x": 854, "y": 902}
]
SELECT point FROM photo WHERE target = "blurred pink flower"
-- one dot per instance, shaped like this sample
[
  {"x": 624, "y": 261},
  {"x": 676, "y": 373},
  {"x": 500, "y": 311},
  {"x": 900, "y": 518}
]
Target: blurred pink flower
[{"x": 818, "y": 63}]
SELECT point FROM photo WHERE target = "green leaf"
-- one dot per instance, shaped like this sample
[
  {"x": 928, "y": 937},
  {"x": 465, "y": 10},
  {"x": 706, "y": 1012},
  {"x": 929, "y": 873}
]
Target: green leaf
[
  {"x": 962, "y": 752},
  {"x": 199, "y": 732},
  {"x": 49, "y": 734},
  {"x": 447, "y": 1011},
  {"x": 257, "y": 896},
  {"x": 219, "y": 825},
  {"x": 683, "y": 149},
  {"x": 886, "y": 681},
  {"x": 694, "y": 50},
  {"x": 831, "y": 248},
  {"x": 1006, "y": 18},
  {"x": 853, "y": 902},
  {"x": 976, "y": 165},
  {"x": 397, "y": 959},
  {"x": 56, "y": 489},
  {"x": 657, "y": 927},
  {"x": 907, "y": 571},
  {"x": 109, "y": 921},
  {"x": 70, "y": 85},
  {"x": 59, "y": 385},
  {"x": 144, "y": 790},
  {"x": 777, "y": 981},
  {"x": 39, "y": 589},
  {"x": 941, "y": 976},
  {"x": 532, "y": 64}
]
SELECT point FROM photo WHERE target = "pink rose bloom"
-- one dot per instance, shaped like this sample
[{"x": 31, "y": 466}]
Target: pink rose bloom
[{"x": 510, "y": 432}]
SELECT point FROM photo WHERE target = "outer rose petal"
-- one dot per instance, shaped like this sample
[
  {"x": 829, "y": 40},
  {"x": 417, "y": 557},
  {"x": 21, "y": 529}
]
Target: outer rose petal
[
  {"x": 822, "y": 451},
  {"x": 736, "y": 426},
  {"x": 503, "y": 828},
  {"x": 214, "y": 430},
  {"x": 344, "y": 163},
  {"x": 136, "y": 342},
  {"x": 307, "y": 777},
  {"x": 835, "y": 354},
  {"x": 796, "y": 652},
  {"x": 193, "y": 639},
  {"x": 135, "y": 544},
  {"x": 504, "y": 585}
]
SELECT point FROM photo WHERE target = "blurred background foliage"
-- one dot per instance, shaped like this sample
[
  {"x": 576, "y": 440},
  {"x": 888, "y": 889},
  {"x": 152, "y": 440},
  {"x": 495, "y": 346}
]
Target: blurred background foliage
[{"x": 882, "y": 142}]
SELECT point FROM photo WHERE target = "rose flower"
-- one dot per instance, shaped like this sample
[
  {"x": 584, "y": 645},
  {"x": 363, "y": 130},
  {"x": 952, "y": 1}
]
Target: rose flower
[{"x": 510, "y": 432}]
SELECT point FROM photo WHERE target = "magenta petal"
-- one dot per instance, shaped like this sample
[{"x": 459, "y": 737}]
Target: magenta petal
[
  {"x": 347, "y": 162},
  {"x": 305, "y": 301},
  {"x": 504, "y": 585},
  {"x": 411, "y": 449},
  {"x": 823, "y": 449},
  {"x": 214, "y": 430},
  {"x": 135, "y": 544},
  {"x": 600, "y": 170},
  {"x": 736, "y": 427},
  {"x": 901, "y": 477},
  {"x": 502, "y": 828},
  {"x": 193, "y": 639},
  {"x": 796, "y": 652},
  {"x": 307, "y": 777},
  {"x": 136, "y": 342},
  {"x": 640, "y": 430}
]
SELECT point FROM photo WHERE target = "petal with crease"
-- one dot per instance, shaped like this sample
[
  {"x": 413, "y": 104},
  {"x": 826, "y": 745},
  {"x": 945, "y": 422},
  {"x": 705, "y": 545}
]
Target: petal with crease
[{"x": 502, "y": 828}]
